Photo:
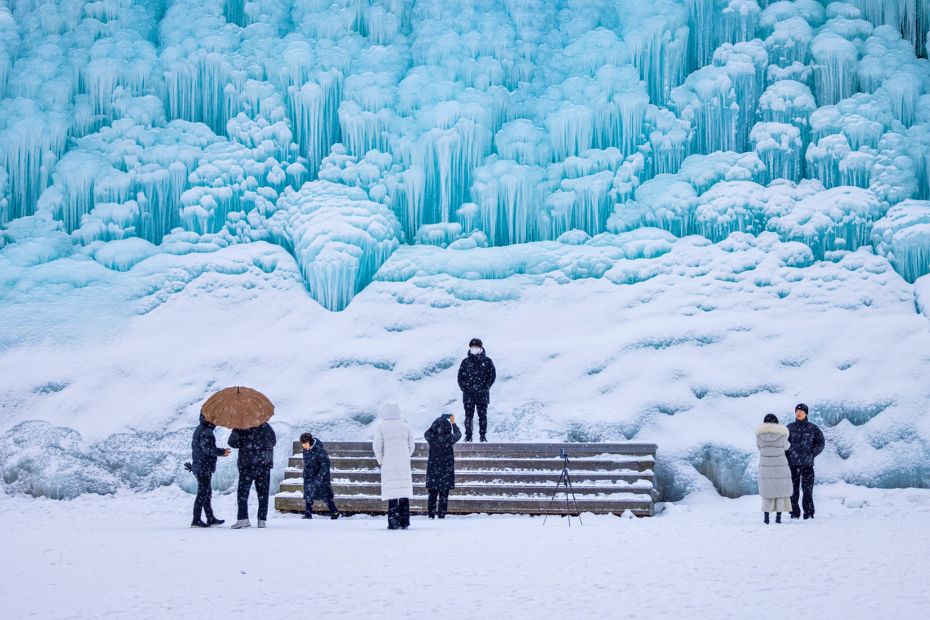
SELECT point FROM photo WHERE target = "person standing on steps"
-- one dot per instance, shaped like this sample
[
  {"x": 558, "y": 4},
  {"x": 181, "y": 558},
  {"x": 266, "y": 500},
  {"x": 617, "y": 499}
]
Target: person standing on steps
[
  {"x": 807, "y": 443},
  {"x": 317, "y": 480},
  {"x": 393, "y": 446},
  {"x": 440, "y": 467},
  {"x": 203, "y": 456},
  {"x": 255, "y": 460},
  {"x": 774, "y": 474},
  {"x": 476, "y": 376}
]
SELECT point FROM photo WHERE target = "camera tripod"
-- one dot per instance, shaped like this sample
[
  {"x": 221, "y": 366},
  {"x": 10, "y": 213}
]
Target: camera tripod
[{"x": 570, "y": 501}]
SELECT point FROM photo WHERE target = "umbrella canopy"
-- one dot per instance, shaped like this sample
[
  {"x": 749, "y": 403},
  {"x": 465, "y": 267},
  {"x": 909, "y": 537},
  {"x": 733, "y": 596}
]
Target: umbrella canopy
[{"x": 238, "y": 407}]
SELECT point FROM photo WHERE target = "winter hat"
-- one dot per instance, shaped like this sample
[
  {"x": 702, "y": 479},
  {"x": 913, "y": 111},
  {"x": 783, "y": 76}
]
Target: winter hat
[
  {"x": 476, "y": 342},
  {"x": 770, "y": 418},
  {"x": 802, "y": 407}
]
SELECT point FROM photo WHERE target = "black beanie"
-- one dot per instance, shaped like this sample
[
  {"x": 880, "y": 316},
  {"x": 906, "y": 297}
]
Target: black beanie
[
  {"x": 476, "y": 342},
  {"x": 802, "y": 407}
]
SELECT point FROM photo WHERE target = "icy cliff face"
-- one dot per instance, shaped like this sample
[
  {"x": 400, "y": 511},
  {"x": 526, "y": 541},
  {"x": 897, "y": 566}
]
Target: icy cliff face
[
  {"x": 516, "y": 121},
  {"x": 383, "y": 141}
]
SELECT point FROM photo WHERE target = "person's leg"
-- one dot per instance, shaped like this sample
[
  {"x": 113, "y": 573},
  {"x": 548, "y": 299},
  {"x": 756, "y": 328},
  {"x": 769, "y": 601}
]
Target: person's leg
[
  {"x": 393, "y": 519},
  {"x": 308, "y": 501},
  {"x": 207, "y": 496},
  {"x": 777, "y": 517},
  {"x": 807, "y": 487},
  {"x": 443, "y": 503},
  {"x": 331, "y": 505},
  {"x": 431, "y": 503},
  {"x": 469, "y": 420},
  {"x": 483, "y": 421},
  {"x": 796, "y": 486},
  {"x": 263, "y": 487},
  {"x": 404, "y": 512},
  {"x": 200, "y": 498},
  {"x": 765, "y": 519},
  {"x": 242, "y": 494}
]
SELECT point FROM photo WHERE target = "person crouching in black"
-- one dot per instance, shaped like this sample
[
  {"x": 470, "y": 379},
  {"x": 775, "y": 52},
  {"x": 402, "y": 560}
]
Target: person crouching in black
[
  {"x": 317, "y": 481},
  {"x": 440, "y": 467},
  {"x": 203, "y": 456}
]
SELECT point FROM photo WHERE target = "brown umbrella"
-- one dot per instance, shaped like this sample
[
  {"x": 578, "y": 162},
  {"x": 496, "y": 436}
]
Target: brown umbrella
[{"x": 238, "y": 407}]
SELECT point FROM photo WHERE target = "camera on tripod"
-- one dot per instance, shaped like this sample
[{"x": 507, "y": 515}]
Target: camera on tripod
[{"x": 563, "y": 454}]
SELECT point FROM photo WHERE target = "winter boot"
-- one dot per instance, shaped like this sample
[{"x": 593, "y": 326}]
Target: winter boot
[
  {"x": 335, "y": 516},
  {"x": 467, "y": 438},
  {"x": 808, "y": 516},
  {"x": 261, "y": 523},
  {"x": 198, "y": 523},
  {"x": 307, "y": 515},
  {"x": 765, "y": 519},
  {"x": 777, "y": 517},
  {"x": 241, "y": 523},
  {"x": 484, "y": 439},
  {"x": 214, "y": 521}
]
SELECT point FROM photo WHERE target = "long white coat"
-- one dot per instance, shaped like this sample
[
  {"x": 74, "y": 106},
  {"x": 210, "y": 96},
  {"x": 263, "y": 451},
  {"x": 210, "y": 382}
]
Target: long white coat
[
  {"x": 774, "y": 474},
  {"x": 393, "y": 445}
]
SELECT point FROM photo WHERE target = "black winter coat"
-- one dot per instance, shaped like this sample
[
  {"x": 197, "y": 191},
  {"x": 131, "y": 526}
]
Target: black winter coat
[
  {"x": 255, "y": 445},
  {"x": 806, "y": 443},
  {"x": 440, "y": 467},
  {"x": 476, "y": 376},
  {"x": 203, "y": 449},
  {"x": 317, "y": 481}
]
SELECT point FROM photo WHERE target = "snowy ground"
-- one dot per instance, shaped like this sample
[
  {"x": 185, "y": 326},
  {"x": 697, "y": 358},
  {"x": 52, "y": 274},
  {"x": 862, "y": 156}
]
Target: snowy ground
[{"x": 864, "y": 556}]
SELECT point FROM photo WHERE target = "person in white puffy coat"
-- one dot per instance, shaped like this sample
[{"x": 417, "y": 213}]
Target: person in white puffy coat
[
  {"x": 393, "y": 446},
  {"x": 774, "y": 475}
]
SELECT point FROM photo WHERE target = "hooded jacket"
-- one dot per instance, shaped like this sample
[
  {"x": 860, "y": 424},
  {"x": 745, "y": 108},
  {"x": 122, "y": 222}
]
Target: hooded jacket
[
  {"x": 393, "y": 446},
  {"x": 774, "y": 474},
  {"x": 440, "y": 468},
  {"x": 203, "y": 448},
  {"x": 807, "y": 443},
  {"x": 317, "y": 481},
  {"x": 255, "y": 445},
  {"x": 476, "y": 376}
]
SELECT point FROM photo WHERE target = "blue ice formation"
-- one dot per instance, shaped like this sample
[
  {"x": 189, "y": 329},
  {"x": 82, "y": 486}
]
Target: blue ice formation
[{"x": 474, "y": 122}]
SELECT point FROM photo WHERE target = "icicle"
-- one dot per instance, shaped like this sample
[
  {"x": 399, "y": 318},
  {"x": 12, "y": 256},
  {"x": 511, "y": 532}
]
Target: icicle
[
  {"x": 779, "y": 146},
  {"x": 835, "y": 69},
  {"x": 708, "y": 101}
]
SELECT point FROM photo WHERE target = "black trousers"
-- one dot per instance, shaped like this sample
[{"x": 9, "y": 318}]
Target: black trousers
[
  {"x": 802, "y": 477},
  {"x": 398, "y": 513},
  {"x": 443, "y": 500},
  {"x": 470, "y": 417},
  {"x": 202, "y": 502},
  {"x": 262, "y": 479},
  {"x": 330, "y": 505}
]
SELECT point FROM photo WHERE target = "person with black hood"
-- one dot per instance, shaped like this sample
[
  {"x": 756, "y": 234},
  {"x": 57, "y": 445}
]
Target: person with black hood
[
  {"x": 807, "y": 443},
  {"x": 317, "y": 481},
  {"x": 255, "y": 460},
  {"x": 476, "y": 376},
  {"x": 203, "y": 456},
  {"x": 440, "y": 466}
]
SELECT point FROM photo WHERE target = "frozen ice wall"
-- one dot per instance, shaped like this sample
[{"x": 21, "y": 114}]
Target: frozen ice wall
[{"x": 520, "y": 120}]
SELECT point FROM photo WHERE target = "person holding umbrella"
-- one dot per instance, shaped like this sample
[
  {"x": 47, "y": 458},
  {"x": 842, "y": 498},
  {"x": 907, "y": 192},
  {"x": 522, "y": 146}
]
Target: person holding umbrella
[{"x": 247, "y": 412}]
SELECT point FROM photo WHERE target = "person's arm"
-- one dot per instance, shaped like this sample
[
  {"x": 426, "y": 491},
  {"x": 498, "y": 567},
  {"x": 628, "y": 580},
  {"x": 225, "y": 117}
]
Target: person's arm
[
  {"x": 492, "y": 374},
  {"x": 819, "y": 442},
  {"x": 234, "y": 439},
  {"x": 784, "y": 443},
  {"x": 377, "y": 444},
  {"x": 410, "y": 442},
  {"x": 272, "y": 438},
  {"x": 430, "y": 436},
  {"x": 456, "y": 433},
  {"x": 462, "y": 376},
  {"x": 208, "y": 445}
]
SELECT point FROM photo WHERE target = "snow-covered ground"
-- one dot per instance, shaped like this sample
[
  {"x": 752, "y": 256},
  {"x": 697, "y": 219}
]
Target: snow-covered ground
[{"x": 131, "y": 555}]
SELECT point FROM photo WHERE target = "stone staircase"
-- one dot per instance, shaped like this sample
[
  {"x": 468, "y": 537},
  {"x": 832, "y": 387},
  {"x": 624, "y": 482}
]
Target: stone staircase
[{"x": 509, "y": 478}]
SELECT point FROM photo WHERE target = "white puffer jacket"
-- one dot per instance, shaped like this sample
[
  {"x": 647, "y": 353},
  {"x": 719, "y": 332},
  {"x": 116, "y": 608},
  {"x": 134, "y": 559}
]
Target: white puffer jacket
[
  {"x": 393, "y": 445},
  {"x": 774, "y": 474}
]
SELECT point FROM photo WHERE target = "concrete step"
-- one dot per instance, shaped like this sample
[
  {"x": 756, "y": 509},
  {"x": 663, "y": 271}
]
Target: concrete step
[
  {"x": 509, "y": 490},
  {"x": 490, "y": 476},
  {"x": 471, "y": 505},
  {"x": 510, "y": 450},
  {"x": 609, "y": 463}
]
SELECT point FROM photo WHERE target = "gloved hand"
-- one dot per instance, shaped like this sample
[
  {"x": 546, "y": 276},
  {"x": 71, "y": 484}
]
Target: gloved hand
[{"x": 189, "y": 467}]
